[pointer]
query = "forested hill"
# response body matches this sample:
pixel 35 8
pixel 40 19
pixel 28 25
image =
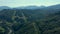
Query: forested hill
pixel 27 21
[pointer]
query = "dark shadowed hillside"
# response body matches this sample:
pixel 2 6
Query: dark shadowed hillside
pixel 27 21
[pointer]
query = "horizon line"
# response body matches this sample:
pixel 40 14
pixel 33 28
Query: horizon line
pixel 32 5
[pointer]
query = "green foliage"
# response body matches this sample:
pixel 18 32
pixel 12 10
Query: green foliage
pixel 29 22
pixel 2 29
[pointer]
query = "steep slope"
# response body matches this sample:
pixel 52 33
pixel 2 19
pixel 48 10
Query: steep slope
pixel 29 22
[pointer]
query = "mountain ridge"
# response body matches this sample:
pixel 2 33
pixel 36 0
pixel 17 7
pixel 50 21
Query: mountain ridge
pixel 32 7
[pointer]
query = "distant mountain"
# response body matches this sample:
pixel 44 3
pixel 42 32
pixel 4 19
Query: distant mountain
pixel 30 7
pixel 53 8
pixel 4 7
pixel 49 9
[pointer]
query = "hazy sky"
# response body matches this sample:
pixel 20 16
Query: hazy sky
pixel 16 3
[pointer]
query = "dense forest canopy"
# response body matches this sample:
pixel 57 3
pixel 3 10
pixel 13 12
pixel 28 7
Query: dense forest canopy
pixel 28 21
